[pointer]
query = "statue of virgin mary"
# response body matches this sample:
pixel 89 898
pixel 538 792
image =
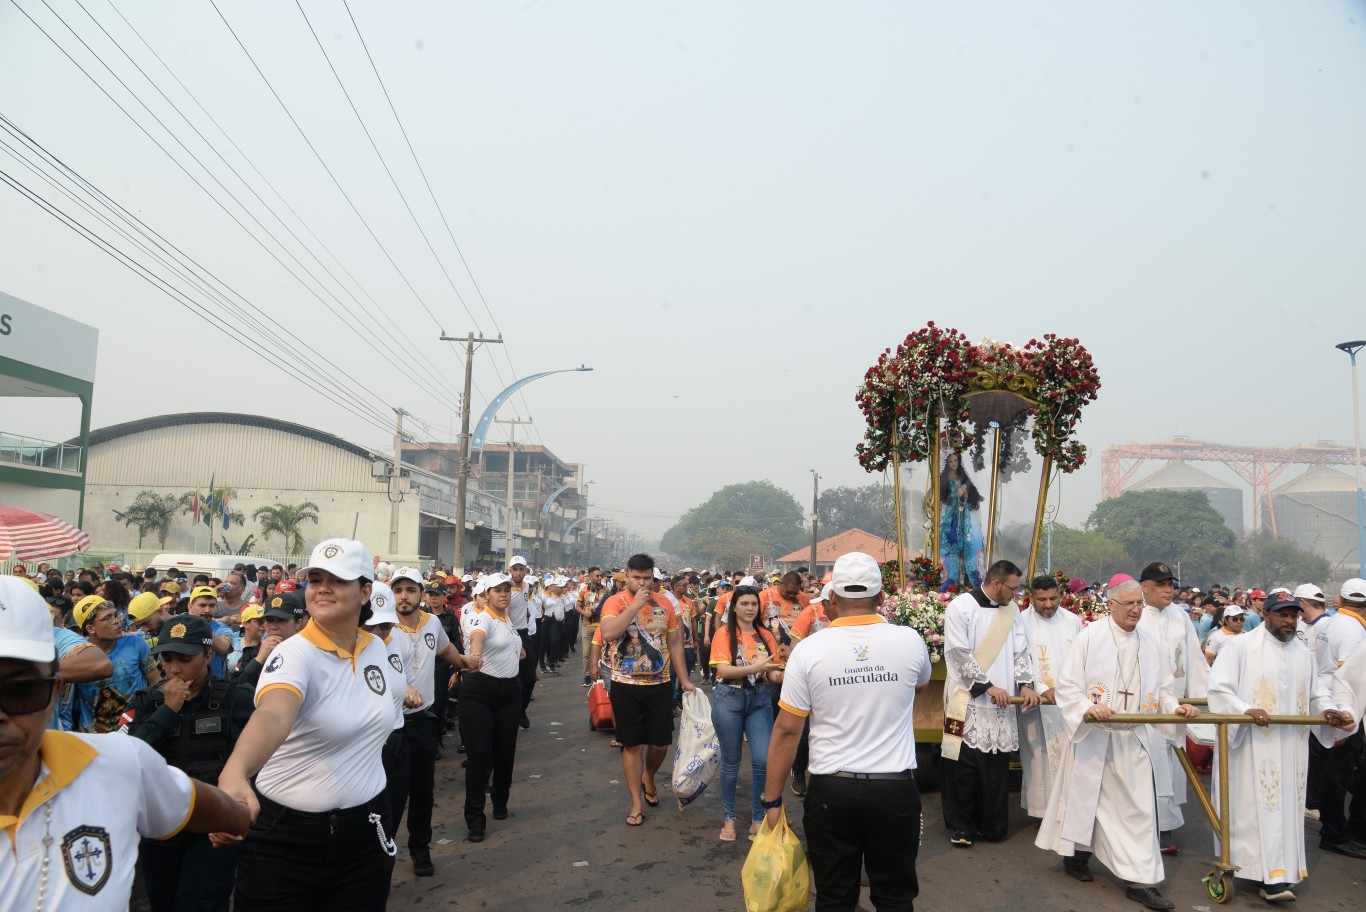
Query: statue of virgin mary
pixel 961 541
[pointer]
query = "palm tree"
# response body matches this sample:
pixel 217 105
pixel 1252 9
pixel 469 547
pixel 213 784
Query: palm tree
pixel 285 521
pixel 151 512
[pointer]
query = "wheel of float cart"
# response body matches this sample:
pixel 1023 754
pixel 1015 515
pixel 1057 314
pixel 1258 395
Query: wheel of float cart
pixel 1219 886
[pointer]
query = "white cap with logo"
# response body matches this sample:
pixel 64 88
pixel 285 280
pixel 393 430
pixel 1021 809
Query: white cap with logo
pixel 343 558
pixel 411 574
pixel 491 581
pixel 381 605
pixel 856 575
pixel 25 623
pixel 825 593
pixel 517 561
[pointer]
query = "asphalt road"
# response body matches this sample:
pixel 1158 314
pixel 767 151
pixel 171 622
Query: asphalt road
pixel 566 844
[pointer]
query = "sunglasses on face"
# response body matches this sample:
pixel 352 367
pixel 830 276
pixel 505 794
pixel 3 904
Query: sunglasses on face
pixel 31 695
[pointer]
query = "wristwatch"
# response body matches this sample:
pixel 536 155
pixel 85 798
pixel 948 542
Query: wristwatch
pixel 770 805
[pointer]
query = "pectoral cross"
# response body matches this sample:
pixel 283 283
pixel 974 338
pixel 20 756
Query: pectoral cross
pixel 1126 695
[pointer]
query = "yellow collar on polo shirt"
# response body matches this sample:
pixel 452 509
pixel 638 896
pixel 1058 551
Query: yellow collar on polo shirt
pixel 421 619
pixel 64 755
pixel 858 620
pixel 314 634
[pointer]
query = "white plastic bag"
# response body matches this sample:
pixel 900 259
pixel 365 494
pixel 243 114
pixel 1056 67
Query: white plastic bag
pixel 697 758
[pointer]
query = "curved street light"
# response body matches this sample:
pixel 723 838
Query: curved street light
pixel 482 428
pixel 1351 348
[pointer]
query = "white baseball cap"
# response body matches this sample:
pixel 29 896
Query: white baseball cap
pixel 749 581
pixel 411 574
pixel 343 558
pixel 1309 591
pixel 856 575
pixel 518 560
pixel 825 593
pixel 491 581
pixel 25 623
pixel 381 605
pixel 1233 611
pixel 659 575
pixel 1354 590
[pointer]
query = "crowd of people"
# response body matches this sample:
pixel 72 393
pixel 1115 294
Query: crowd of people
pixel 272 729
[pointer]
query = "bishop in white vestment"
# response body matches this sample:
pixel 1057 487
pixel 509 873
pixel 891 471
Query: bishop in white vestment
pixel 1181 650
pixel 1111 775
pixel 1263 673
pixel 1050 632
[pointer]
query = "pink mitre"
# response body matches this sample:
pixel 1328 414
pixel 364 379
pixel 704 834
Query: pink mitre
pixel 1117 579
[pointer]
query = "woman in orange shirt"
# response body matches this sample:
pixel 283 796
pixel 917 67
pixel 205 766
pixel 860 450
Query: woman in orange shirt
pixel 743 653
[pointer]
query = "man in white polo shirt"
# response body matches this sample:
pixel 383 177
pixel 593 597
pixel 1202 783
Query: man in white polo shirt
pixel 76 806
pixel 856 683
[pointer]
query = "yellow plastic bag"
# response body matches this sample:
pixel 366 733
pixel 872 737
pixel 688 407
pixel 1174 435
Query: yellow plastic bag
pixel 776 876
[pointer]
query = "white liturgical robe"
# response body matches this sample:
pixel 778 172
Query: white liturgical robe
pixel 1181 651
pixel 1041 730
pixel 1267 766
pixel 1349 689
pixel 1103 796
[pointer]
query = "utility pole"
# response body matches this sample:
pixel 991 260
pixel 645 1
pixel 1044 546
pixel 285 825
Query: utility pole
pixel 463 479
pixel 815 517
pixel 512 477
pixel 396 483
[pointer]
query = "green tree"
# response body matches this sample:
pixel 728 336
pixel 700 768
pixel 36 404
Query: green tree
pixel 286 521
pixel 228 547
pixel 1090 555
pixel 1269 561
pixel 151 512
pixel 760 509
pixel 1179 527
pixel 868 507
pixel 726 547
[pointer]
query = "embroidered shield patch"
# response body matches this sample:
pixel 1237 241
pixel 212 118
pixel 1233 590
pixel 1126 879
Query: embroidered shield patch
pixel 397 663
pixel 85 853
pixel 275 662
pixel 430 640
pixel 374 679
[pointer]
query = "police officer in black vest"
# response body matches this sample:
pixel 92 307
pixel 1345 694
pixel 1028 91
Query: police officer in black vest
pixel 193 721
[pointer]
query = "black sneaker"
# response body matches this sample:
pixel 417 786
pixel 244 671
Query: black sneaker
pixel 961 838
pixel 587 682
pixel 1348 848
pixel 1078 870
pixel 422 862
pixel 500 814
pixel 1149 898
pixel 525 723
pixel 475 836
pixel 1276 892
pixel 799 784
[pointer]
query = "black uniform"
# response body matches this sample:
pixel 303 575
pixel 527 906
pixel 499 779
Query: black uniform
pixel 184 872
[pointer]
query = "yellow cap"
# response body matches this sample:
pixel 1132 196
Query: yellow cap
pixel 86 607
pixel 143 606
pixel 203 592
pixel 252 613
pixel 170 587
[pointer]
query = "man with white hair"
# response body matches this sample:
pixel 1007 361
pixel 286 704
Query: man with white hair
pixel 1111 776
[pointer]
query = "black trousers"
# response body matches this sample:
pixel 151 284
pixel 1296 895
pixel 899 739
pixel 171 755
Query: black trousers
pixel 853 824
pixel 490 709
pixel 292 860
pixel 420 740
pixel 397 770
pixel 1338 771
pixel 975 793
pixel 571 632
pixel 526 668
pixel 186 874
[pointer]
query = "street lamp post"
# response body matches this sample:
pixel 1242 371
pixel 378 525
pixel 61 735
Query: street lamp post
pixel 1351 348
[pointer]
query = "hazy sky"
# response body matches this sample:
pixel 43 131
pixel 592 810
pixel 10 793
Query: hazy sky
pixel 728 210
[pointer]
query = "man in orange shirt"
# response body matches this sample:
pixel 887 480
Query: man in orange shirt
pixel 783 601
pixel 640 631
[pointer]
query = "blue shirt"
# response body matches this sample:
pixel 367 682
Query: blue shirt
pixel 100 703
pixel 218 664
pixel 66 642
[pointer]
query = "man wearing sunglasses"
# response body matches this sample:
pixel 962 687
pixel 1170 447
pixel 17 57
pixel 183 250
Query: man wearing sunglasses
pixel 71 843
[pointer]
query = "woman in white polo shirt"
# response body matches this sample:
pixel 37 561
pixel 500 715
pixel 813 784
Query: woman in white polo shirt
pixel 326 702
pixel 490 704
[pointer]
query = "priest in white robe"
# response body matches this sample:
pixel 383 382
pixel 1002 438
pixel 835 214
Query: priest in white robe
pixel 1112 774
pixel 1050 632
pixel 1265 673
pixel 1181 650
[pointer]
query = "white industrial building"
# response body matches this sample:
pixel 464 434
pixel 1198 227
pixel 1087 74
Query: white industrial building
pixel 266 461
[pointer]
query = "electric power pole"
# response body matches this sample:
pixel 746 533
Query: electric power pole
pixel 463 474
pixel 396 483
pixel 512 478
pixel 815 517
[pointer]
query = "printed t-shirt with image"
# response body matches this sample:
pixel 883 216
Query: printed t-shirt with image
pixel 753 647
pixel 641 654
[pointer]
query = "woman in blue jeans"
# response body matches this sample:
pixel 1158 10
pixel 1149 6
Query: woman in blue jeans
pixel 743 654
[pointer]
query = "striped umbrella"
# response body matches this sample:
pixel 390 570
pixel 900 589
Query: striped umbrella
pixel 29 535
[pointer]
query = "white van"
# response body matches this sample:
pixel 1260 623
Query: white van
pixel 215 565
